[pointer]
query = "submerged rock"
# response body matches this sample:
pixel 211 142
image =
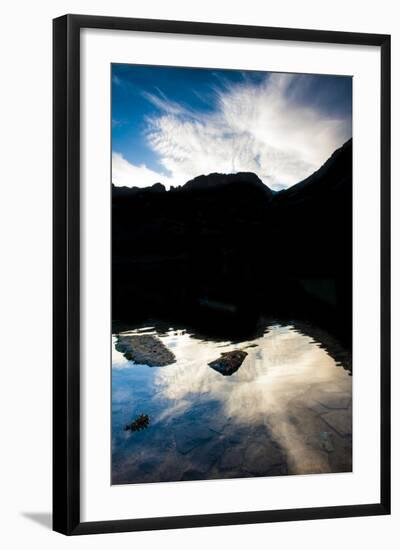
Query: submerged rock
pixel 229 362
pixel 327 442
pixel 261 457
pixel 232 459
pixel 188 437
pixel 145 349
pixel 340 421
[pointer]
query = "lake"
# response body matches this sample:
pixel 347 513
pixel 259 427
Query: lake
pixel 286 410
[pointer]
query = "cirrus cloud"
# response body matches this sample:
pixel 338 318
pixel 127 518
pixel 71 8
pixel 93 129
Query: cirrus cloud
pixel 258 127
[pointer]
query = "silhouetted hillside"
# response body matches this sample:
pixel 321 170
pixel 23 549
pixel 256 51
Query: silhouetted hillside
pixel 223 180
pixel 222 250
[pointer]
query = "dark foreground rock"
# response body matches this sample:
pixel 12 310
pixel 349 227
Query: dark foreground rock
pixel 229 362
pixel 145 350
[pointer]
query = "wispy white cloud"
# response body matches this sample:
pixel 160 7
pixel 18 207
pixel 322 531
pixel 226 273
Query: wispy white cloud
pixel 126 173
pixel 255 127
pixel 116 123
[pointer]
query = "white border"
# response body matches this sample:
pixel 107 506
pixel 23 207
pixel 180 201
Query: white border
pixel 99 500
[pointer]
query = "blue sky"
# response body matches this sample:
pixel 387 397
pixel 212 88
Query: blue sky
pixel 170 124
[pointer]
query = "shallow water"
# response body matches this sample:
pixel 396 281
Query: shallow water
pixel 286 410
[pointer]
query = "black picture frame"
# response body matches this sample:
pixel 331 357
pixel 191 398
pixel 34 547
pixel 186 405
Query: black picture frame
pixel 66 273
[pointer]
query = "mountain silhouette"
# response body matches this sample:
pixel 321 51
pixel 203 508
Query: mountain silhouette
pixel 224 180
pixel 223 250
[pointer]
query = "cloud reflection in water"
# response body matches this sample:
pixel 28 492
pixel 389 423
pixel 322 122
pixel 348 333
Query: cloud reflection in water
pixel 287 385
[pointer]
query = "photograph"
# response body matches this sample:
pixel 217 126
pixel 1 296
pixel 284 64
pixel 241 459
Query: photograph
pixel 232 273
pixel 198 253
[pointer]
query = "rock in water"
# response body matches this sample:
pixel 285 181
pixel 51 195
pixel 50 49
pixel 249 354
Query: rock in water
pixel 139 424
pixel 145 349
pixel 229 362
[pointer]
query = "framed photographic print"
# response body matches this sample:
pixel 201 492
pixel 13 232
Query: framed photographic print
pixel 221 274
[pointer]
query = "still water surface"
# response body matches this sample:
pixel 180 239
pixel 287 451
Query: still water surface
pixel 286 410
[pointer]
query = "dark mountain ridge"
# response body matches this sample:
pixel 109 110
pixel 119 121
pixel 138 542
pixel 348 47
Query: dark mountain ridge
pixel 217 180
pixel 330 174
pixel 223 250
